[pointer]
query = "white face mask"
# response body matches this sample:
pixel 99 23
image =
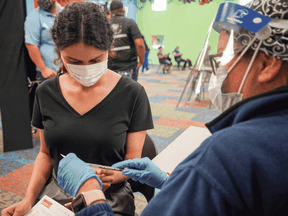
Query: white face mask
pixel 87 75
pixel 221 100
pixel 225 100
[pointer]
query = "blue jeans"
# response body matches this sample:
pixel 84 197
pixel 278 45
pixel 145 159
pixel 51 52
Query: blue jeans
pixel 146 63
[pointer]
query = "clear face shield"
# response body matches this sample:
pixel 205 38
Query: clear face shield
pixel 234 30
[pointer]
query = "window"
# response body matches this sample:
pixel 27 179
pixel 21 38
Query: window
pixel 243 2
pixel 159 5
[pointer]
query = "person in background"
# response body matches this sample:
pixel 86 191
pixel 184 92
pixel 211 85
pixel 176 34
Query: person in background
pixel 241 169
pixel 164 59
pixel 146 63
pixel 177 56
pixel 38 40
pixel 87 109
pixel 128 43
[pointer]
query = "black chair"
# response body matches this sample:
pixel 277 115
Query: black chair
pixel 178 66
pixel 150 151
pixel 162 65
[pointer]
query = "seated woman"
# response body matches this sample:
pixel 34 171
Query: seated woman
pixel 87 109
pixel 164 59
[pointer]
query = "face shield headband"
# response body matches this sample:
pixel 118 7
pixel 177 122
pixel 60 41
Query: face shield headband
pixel 276 44
pixel 235 19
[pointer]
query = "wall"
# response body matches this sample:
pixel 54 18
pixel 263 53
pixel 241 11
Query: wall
pixel 183 25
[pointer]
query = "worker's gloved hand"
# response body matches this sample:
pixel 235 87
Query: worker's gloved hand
pixel 144 171
pixel 73 172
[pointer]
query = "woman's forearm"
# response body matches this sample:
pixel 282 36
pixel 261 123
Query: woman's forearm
pixel 41 172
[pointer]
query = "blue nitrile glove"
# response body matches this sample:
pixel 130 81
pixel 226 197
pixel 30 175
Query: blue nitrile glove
pixel 144 171
pixel 73 172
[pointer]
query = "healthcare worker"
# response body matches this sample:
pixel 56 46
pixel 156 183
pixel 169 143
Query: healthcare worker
pixel 38 40
pixel 242 168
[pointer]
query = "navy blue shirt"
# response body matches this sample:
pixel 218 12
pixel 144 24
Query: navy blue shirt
pixel 242 169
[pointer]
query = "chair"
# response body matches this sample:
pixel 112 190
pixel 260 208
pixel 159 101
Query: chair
pixel 150 151
pixel 178 65
pixel 32 85
pixel 162 65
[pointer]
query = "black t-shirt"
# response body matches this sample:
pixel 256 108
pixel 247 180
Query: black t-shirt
pixel 125 32
pixel 98 136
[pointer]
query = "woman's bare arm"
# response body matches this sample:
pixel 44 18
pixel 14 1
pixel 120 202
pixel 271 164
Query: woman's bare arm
pixel 41 171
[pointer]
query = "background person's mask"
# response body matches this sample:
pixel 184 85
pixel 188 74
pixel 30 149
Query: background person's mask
pixel 45 5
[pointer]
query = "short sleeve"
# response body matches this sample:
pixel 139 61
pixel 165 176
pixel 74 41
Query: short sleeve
pixel 37 115
pixel 32 28
pixel 141 118
pixel 134 30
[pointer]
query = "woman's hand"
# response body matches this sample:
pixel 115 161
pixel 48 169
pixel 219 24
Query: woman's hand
pixel 18 209
pixel 106 176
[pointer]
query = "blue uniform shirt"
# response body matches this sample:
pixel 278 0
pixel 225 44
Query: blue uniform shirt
pixel 37 26
pixel 176 51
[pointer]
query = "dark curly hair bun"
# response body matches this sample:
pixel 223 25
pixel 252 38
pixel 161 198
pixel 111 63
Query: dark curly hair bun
pixel 83 22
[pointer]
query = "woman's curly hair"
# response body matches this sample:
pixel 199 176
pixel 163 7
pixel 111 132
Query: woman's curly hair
pixel 83 22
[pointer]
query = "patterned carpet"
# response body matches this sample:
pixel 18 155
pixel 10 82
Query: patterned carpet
pixel 163 91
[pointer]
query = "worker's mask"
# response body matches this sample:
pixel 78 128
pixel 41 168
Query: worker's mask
pixel 46 5
pixel 234 30
pixel 87 75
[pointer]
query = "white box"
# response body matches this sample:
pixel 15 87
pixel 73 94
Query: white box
pixel 181 148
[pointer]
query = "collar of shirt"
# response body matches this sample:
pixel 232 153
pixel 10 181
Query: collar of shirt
pixel 253 107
